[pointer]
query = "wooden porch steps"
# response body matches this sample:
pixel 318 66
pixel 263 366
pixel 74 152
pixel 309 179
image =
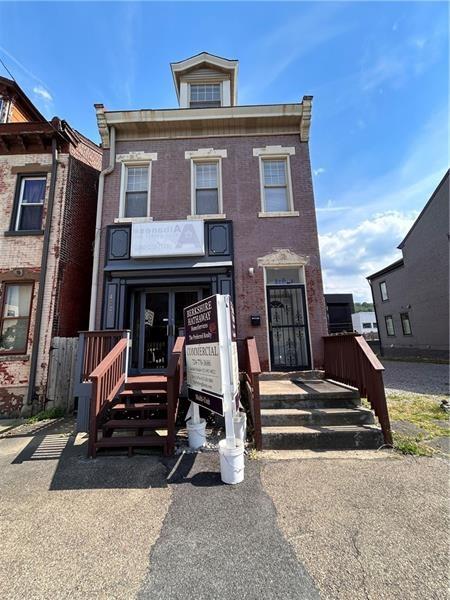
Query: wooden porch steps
pixel 146 382
pixel 138 406
pixel 141 395
pixel 132 424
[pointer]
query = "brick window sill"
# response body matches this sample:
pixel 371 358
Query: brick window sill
pixel 22 233
pixel 14 357
pixel 205 217
pixel 126 220
pixel 288 213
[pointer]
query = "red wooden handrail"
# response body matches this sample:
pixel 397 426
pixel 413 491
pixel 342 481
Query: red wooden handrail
pixel 349 359
pixel 175 379
pixel 96 345
pixel 249 364
pixel 107 379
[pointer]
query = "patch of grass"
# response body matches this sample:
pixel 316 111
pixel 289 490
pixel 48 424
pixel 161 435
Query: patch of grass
pixel 421 410
pixel 50 413
pixel 408 444
pixel 253 454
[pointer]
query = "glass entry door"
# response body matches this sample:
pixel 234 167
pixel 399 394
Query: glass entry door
pixel 288 328
pixel 156 330
pixel 157 320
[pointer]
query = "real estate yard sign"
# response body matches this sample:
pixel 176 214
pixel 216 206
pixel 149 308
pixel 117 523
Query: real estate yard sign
pixel 211 357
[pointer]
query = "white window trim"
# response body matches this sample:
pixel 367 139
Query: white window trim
pixel 276 153
pixel 211 82
pixel 123 187
pixel 206 155
pixel 20 203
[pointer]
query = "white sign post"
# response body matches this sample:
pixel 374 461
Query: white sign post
pixel 212 367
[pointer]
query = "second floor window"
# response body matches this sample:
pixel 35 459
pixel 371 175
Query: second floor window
pixel 383 291
pixel 205 95
pixel 136 192
pixel 275 182
pixel 30 204
pixel 206 188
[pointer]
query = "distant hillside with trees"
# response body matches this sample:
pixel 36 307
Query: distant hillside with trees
pixel 363 307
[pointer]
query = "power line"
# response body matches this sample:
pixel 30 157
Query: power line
pixel 8 71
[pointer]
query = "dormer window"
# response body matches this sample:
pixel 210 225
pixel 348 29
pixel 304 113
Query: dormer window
pixel 206 81
pixel 205 95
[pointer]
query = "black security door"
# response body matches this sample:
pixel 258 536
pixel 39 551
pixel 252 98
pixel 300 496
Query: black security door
pixel 288 328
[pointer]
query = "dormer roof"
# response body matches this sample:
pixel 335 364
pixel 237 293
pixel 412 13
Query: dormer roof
pixel 223 66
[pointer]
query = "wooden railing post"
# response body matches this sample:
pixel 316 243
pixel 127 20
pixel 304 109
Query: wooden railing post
pixel 349 359
pixel 175 376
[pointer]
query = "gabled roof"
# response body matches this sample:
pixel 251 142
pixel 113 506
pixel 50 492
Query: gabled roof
pixel 206 59
pixel 15 90
pixel 395 265
pixel 425 208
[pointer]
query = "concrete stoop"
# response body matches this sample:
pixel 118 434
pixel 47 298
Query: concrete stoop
pixel 316 415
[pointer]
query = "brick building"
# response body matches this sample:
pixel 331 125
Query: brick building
pixel 48 193
pixel 211 197
pixel 411 296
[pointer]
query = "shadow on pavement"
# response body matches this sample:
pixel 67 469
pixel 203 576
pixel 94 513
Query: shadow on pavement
pixel 181 467
pixel 74 471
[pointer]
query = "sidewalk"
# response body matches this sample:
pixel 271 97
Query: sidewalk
pixel 333 526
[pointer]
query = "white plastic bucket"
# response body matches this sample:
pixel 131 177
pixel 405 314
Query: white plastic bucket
pixel 231 462
pixel 240 426
pixel 196 434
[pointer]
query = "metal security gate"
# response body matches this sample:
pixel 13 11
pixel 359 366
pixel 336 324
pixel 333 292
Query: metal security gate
pixel 288 328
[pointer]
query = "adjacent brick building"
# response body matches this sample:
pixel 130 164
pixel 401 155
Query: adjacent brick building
pixel 48 196
pixel 211 197
pixel 411 296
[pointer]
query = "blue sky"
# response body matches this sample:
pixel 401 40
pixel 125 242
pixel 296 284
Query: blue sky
pixel 378 73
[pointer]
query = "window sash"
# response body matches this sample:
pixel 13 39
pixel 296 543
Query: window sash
pixel 206 187
pixel 406 324
pixel 383 291
pixel 275 185
pixel 35 207
pixel 204 94
pixel 21 320
pixel 390 329
pixel 135 191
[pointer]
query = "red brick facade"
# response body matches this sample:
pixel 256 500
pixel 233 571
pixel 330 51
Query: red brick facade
pixel 69 267
pixel 254 237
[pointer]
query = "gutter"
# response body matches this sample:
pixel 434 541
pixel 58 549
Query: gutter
pixel 98 226
pixel 376 317
pixel 40 300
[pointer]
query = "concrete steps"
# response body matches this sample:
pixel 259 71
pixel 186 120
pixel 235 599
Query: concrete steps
pixel 286 417
pixel 342 437
pixel 316 415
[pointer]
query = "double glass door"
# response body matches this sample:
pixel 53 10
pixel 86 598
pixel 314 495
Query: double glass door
pixel 157 320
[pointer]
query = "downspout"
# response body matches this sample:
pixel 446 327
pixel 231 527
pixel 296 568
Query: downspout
pixel 98 226
pixel 376 317
pixel 42 276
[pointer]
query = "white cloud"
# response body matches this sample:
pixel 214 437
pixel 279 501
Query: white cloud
pixel 318 171
pixel 350 254
pixel 43 93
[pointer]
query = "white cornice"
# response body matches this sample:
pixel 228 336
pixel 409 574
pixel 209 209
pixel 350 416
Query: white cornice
pixel 203 114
